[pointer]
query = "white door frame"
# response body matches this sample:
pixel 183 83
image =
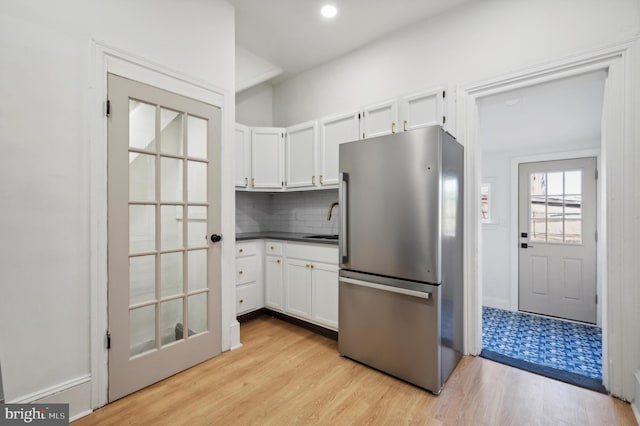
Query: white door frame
pixel 111 60
pixel 618 230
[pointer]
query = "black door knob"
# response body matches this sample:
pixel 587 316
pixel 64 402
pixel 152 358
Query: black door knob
pixel 215 238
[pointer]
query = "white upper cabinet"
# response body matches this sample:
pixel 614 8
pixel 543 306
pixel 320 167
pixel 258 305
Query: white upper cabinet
pixel 301 153
pixel 380 119
pixel 422 109
pixel 243 156
pixel 334 131
pixel 267 157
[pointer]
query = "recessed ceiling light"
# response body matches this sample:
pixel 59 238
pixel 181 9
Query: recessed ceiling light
pixel 329 11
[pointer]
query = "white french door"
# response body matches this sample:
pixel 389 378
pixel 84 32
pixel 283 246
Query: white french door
pixel 163 222
pixel 557 220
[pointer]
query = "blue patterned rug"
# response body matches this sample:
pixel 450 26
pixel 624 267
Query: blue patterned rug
pixel 566 351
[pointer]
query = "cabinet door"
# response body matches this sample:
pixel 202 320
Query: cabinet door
pixel 380 119
pixel 267 157
pixel 246 298
pixel 334 131
pixel 243 156
pixel 422 109
pixel 300 161
pixel 324 282
pixel 273 282
pixel 298 288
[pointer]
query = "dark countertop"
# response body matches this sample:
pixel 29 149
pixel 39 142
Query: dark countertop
pixel 287 236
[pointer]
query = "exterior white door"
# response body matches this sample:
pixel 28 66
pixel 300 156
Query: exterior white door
pixel 301 149
pixel 163 224
pixel 557 221
pixel 334 131
pixel 267 157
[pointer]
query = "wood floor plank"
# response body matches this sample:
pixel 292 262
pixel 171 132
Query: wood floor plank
pixel 285 375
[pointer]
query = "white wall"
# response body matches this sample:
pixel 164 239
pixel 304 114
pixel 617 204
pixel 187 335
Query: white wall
pixel 254 106
pixel 474 42
pixel 496 244
pixel 45 123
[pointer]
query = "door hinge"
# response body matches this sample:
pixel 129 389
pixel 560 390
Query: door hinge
pixel 108 340
pixel 596 299
pixel 596 174
pixel 444 119
pixel 596 236
pixel 444 94
pixel 108 108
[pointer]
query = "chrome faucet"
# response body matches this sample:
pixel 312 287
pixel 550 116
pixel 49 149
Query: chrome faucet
pixel 331 210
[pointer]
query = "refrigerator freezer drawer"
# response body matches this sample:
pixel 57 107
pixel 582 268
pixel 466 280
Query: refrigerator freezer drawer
pixel 392 330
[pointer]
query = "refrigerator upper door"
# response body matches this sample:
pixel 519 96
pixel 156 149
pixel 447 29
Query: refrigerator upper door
pixel 390 196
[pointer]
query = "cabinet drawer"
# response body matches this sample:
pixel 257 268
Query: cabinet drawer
pixel 273 247
pixel 246 298
pixel 246 269
pixel 313 252
pixel 246 249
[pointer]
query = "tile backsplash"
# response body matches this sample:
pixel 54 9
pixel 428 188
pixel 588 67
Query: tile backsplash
pixel 304 212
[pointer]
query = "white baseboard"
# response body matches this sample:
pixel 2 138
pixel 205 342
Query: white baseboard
pixel 75 392
pixel 494 302
pixel 235 335
pixel 635 404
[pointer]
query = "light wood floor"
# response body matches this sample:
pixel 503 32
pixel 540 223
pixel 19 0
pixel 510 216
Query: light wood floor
pixel 285 375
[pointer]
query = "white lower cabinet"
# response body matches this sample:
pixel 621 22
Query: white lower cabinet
pixel 246 298
pixel 298 279
pixel 312 283
pixel 298 288
pixel 273 282
pixel 324 294
pixel 248 277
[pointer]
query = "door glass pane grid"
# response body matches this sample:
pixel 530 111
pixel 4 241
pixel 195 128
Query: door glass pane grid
pixel 555 215
pixel 175 187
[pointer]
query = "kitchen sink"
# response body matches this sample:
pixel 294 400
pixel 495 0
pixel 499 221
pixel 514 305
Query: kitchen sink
pixel 323 237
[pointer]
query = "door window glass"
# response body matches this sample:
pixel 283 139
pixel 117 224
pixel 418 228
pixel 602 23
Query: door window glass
pixel 555 207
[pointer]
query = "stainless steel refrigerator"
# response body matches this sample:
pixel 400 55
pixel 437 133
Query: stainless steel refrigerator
pixel 400 296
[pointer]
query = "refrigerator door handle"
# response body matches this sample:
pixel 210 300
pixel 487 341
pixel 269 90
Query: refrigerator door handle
pixel 343 189
pixel 407 292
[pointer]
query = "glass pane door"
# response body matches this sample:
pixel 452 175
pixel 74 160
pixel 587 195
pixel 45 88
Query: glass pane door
pixel 164 201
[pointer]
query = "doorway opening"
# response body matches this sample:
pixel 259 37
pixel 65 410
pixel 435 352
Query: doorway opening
pixel 538 145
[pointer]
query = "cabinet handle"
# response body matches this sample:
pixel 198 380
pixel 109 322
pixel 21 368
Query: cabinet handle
pixel 278 261
pixel 241 250
pixel 271 247
pixel 404 126
pixel 306 266
pixel 393 127
pixel 240 272
pixel 321 183
pixel 253 182
pixel 241 300
pixel 311 266
pixel 246 182
pixel 313 180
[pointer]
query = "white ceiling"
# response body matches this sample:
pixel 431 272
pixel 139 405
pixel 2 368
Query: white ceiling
pixel 560 113
pixel 292 35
